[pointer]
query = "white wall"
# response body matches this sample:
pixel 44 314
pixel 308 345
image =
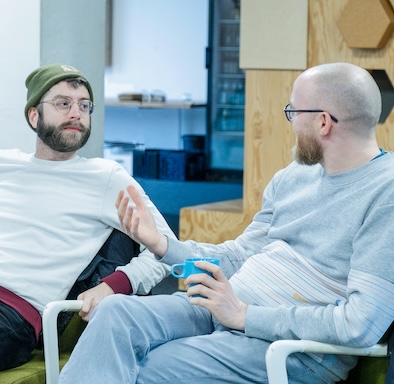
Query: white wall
pixel 73 32
pixel 20 54
pixel 159 44
pixel 38 32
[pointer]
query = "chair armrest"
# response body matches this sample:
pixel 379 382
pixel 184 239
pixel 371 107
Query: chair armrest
pixel 278 352
pixel 50 335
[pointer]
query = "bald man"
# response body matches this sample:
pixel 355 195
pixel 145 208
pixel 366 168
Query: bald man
pixel 315 263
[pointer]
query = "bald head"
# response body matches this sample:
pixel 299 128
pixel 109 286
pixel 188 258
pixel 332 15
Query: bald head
pixel 346 91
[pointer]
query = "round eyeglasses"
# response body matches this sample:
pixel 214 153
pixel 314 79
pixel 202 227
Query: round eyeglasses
pixel 292 113
pixel 64 104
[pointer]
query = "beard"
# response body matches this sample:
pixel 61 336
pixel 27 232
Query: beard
pixel 307 151
pixel 56 138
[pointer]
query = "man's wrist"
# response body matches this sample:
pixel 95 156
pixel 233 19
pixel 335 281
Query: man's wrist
pixel 161 247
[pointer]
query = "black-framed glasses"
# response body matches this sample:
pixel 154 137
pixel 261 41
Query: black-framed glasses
pixel 64 104
pixel 292 113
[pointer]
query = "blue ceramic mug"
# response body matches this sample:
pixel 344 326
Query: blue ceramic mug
pixel 187 268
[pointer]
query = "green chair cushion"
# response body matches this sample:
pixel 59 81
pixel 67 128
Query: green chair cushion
pixel 373 370
pixel 33 372
pixel 369 370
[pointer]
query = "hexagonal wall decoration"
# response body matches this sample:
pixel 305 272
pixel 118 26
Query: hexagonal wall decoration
pixel 367 23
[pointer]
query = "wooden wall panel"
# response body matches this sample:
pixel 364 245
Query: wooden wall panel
pixel 325 42
pixel 213 223
pixel 269 136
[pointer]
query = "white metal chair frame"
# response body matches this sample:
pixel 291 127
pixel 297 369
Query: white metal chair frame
pixel 50 335
pixel 278 352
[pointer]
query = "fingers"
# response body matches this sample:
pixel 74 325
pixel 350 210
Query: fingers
pixel 200 279
pixel 119 198
pixel 84 313
pixel 125 212
pixel 87 305
pixel 121 204
pixel 213 268
pixel 205 284
pixel 92 297
pixel 127 220
pixel 200 293
pixel 136 197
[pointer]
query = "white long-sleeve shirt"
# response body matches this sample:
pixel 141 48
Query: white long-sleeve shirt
pixel 55 216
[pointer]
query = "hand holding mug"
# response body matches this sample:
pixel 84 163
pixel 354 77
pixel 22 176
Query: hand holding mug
pixel 227 308
pixel 188 268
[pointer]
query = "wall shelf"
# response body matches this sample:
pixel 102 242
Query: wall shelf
pixel 171 104
pixel 178 108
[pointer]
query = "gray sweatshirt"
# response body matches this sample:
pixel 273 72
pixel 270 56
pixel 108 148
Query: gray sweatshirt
pixel 316 261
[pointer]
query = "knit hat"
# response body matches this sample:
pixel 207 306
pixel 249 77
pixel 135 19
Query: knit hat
pixel 44 78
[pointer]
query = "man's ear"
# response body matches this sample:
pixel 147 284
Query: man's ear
pixel 32 113
pixel 325 124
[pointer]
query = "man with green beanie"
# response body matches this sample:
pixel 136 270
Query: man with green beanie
pixel 57 210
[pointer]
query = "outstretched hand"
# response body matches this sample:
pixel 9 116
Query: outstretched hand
pixel 139 223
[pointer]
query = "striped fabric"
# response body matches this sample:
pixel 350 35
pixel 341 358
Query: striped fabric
pixel 280 276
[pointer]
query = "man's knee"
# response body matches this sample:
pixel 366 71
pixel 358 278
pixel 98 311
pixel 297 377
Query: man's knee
pixel 112 307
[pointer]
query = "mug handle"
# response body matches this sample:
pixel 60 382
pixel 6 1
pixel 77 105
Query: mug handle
pixel 173 273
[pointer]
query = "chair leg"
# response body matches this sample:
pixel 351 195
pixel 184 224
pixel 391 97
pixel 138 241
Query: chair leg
pixel 51 343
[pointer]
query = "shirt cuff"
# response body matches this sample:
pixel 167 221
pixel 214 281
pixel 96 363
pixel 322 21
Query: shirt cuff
pixel 119 282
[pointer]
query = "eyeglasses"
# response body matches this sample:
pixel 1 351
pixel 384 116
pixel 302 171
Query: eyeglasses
pixel 64 104
pixel 292 113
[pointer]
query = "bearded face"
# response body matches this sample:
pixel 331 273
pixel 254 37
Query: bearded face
pixel 59 139
pixel 307 151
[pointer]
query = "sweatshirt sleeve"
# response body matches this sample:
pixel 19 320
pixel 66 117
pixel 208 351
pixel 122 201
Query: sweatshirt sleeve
pixel 232 253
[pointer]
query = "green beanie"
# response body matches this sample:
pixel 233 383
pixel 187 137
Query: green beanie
pixel 44 78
